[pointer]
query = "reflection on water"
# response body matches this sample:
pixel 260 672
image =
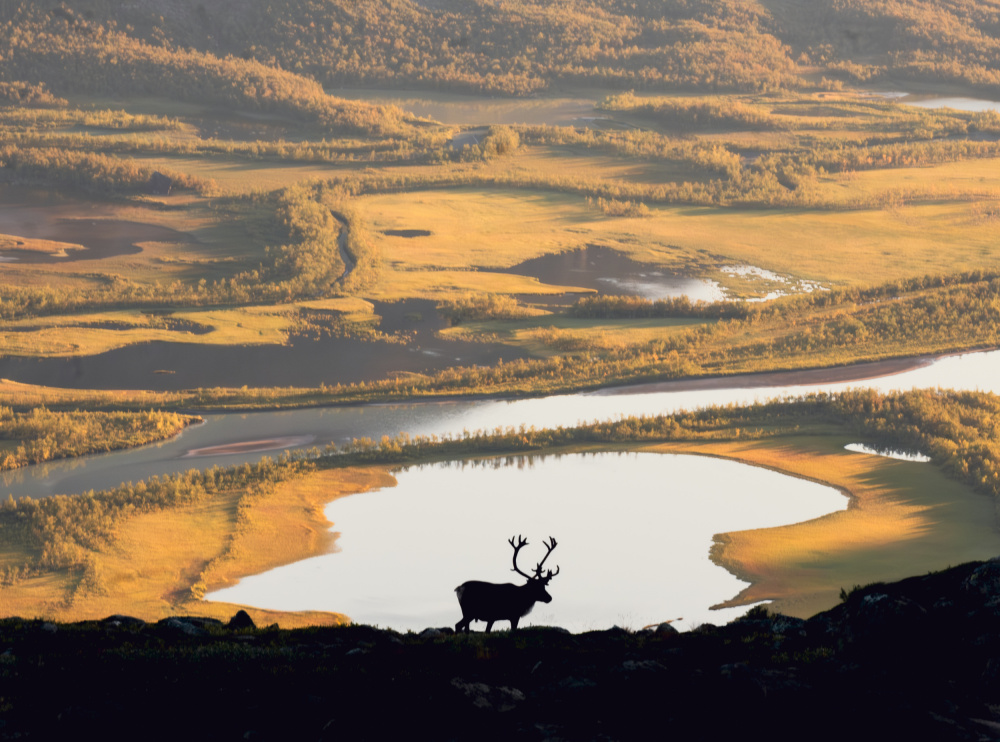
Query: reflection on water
pixel 959 104
pixel 634 532
pixel 901 455
pixel 971 371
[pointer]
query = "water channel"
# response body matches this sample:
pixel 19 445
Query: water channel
pixel 320 426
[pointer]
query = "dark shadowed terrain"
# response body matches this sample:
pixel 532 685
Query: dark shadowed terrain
pixel 917 659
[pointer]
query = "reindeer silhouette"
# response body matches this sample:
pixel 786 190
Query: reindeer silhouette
pixel 491 602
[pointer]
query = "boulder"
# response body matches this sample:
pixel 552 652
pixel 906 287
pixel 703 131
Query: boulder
pixel 240 621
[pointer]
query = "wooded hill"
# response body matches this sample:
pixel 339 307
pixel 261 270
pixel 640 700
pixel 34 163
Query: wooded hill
pixel 271 55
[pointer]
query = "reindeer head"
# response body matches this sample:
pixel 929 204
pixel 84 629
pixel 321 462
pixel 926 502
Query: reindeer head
pixel 536 582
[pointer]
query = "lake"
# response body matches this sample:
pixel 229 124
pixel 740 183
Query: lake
pixel 634 532
pixel 610 273
pixel 476 110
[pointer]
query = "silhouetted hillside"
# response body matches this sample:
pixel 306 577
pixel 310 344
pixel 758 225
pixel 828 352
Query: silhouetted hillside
pixel 917 659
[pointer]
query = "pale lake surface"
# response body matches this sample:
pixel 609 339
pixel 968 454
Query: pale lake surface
pixel 608 272
pixel 901 455
pixel 958 103
pixel 634 532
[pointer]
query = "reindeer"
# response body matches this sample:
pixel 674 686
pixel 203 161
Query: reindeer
pixel 490 602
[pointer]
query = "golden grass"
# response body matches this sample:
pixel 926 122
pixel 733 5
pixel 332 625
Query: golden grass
pixel 485 229
pixel 476 228
pixel 157 562
pixel 348 305
pixel 904 518
pixel 845 248
pixel 981 176
pixel 47 247
pixel 555 333
pixel 81 334
pixel 70 335
pixel 235 177
pixel 444 284
pixel 21 395
pixel 569 161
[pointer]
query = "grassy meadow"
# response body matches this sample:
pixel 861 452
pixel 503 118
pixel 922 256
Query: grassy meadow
pixel 157 564
pixel 755 193
pixel 904 518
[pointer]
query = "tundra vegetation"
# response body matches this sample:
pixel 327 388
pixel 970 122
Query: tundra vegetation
pixel 721 134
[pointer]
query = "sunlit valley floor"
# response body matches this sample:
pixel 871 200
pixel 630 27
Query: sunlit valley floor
pixel 306 309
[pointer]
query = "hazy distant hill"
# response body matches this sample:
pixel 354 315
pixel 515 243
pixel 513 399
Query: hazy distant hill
pixel 505 47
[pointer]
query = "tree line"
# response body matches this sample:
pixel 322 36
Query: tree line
pixel 960 431
pixel 42 434
pixel 68 52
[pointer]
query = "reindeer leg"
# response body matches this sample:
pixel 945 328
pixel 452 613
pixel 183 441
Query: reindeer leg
pixel 462 625
pixel 514 622
pixel 489 626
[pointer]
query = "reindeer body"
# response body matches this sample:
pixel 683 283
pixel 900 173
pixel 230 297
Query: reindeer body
pixel 492 602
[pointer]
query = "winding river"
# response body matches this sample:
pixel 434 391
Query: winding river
pixel 228 439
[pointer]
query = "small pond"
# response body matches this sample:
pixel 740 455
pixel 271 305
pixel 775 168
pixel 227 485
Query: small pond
pixel 610 272
pixel 634 531
pixel 891 454
pixel 958 103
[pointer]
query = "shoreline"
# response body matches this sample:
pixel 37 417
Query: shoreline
pixel 792 377
pixel 861 371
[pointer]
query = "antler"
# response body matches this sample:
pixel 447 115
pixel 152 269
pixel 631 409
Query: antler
pixel 538 568
pixel 521 542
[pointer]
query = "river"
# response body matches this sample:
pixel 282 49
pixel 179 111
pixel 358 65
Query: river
pixel 320 426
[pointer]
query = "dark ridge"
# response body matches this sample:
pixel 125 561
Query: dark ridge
pixel 917 659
